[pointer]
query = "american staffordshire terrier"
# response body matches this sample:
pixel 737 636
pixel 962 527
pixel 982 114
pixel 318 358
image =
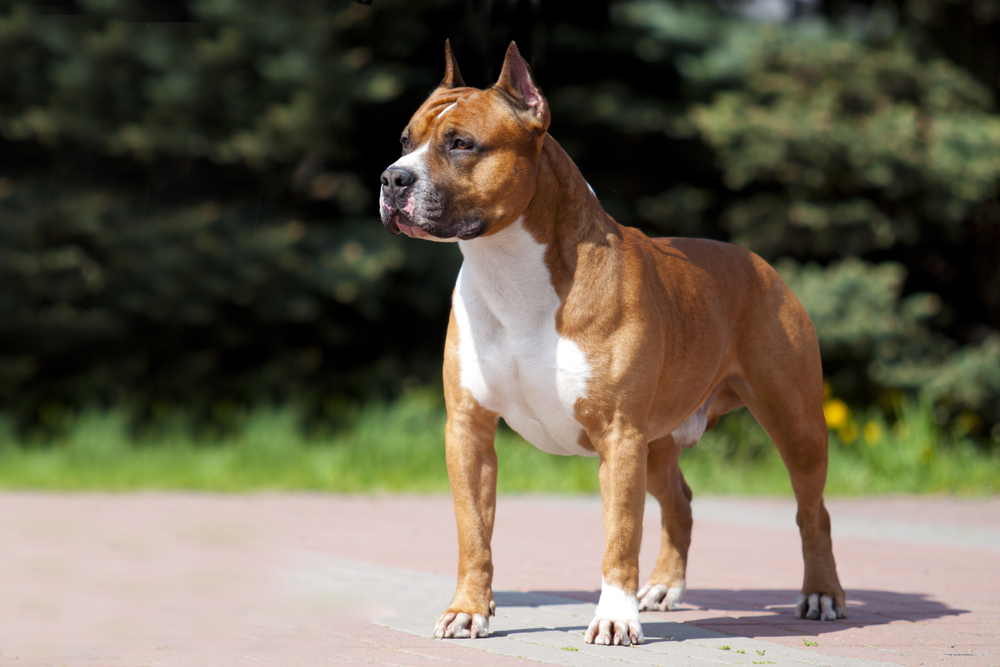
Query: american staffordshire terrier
pixel 590 338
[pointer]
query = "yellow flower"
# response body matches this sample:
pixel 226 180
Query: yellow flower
pixel 848 432
pixel 872 432
pixel 836 412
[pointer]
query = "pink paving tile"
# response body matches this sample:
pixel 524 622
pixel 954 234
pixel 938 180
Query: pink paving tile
pixel 752 631
pixel 383 655
pixel 394 646
pixel 405 640
pixel 941 509
pixel 879 654
pixel 446 651
pixel 937 635
pixel 405 660
pixel 930 655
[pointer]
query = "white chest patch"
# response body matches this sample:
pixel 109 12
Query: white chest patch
pixel 513 360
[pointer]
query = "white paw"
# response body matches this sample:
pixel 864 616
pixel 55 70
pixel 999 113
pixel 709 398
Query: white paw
pixel 818 607
pixel 462 626
pixel 616 619
pixel 660 597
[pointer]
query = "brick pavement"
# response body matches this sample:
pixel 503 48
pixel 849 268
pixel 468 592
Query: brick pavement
pixel 198 579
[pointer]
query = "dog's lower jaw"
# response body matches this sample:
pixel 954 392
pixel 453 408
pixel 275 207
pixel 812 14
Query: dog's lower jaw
pixel 396 222
pixel 465 229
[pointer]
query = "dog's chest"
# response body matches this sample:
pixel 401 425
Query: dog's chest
pixel 511 356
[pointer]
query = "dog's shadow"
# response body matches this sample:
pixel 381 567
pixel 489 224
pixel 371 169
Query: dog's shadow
pixel 750 613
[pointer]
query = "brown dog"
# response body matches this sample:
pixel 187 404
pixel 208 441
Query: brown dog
pixel 590 338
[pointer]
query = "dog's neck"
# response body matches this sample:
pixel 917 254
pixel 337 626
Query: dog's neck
pixel 564 221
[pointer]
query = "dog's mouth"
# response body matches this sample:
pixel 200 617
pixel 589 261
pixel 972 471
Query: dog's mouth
pixel 400 221
pixel 397 222
pixel 405 225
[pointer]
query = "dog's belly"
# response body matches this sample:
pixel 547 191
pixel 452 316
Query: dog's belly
pixel 532 378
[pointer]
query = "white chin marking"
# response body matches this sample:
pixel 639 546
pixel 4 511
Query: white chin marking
pixel 616 619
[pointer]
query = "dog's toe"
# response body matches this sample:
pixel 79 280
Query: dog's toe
pixel 660 597
pixel 460 625
pixel 819 607
pixel 608 632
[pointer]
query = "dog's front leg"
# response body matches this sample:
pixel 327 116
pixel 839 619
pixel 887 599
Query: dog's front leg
pixel 623 490
pixel 472 470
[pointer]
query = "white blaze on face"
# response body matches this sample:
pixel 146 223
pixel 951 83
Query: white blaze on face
pixel 415 160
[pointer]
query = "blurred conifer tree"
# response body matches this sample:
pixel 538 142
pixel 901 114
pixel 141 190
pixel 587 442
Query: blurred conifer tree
pixel 188 189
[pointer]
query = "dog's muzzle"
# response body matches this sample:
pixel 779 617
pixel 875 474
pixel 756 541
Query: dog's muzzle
pixel 398 205
pixel 394 199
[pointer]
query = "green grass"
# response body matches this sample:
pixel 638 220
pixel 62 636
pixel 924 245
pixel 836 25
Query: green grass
pixel 400 447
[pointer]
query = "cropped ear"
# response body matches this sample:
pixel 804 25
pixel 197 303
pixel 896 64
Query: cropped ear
pixel 517 83
pixel 452 77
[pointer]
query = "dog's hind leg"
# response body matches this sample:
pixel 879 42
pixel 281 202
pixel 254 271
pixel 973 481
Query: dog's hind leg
pixel 784 391
pixel 665 482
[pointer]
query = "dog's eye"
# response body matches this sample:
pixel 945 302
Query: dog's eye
pixel 405 141
pixel 461 145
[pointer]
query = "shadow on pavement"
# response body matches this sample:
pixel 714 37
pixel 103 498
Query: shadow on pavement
pixel 655 633
pixel 764 613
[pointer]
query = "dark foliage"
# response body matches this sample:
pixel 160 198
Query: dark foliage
pixel 188 189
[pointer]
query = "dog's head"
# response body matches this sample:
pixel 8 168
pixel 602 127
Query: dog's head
pixel 470 156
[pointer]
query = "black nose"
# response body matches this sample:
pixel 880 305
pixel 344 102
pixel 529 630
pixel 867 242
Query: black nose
pixel 397 178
